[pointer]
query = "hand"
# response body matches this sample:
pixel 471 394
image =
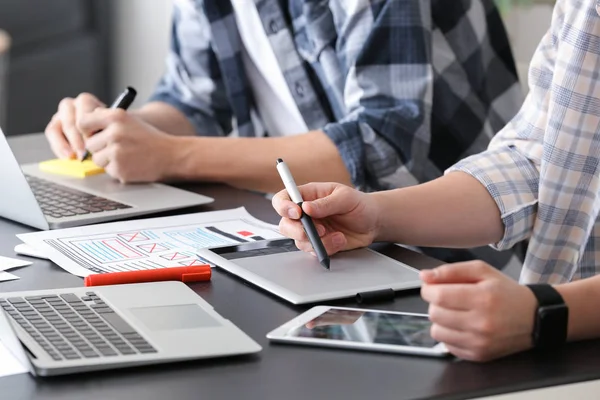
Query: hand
pixel 129 149
pixel 478 312
pixel 62 132
pixel 345 218
pixel 335 317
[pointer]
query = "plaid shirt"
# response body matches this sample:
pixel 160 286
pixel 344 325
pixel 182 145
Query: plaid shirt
pixel 543 169
pixel 404 88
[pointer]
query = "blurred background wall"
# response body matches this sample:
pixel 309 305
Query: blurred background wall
pixel 63 47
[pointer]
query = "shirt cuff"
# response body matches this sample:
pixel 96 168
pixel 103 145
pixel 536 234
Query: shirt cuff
pixel 512 180
pixel 203 126
pixel 348 140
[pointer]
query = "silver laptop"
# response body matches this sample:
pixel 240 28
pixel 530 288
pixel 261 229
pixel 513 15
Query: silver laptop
pixel 48 201
pixel 64 331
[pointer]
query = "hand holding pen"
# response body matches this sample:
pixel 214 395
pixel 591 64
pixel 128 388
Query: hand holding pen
pixel 345 218
pixel 63 132
pixel 124 100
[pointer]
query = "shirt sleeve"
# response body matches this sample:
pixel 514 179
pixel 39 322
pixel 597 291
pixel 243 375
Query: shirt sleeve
pixel 387 92
pixel 550 153
pixel 192 81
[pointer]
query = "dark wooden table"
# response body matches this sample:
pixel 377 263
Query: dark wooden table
pixel 283 371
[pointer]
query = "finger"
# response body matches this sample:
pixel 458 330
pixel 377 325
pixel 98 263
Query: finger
pixel 452 319
pixel 333 243
pixel 451 337
pixel 464 272
pixel 100 119
pixel 58 142
pixel 66 114
pixel 98 142
pixel 459 352
pixel 294 230
pixel 459 297
pixel 340 201
pixel 85 103
pixel 101 158
pixel 284 206
pixel 317 190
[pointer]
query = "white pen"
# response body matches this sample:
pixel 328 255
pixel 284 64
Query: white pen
pixel 307 222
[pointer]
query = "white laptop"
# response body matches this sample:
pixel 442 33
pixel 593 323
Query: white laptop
pixel 48 201
pixel 65 331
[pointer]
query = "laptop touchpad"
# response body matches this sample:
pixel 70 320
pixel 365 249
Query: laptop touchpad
pixel 165 318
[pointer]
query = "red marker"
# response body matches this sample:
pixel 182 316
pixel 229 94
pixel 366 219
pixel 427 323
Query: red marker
pixel 183 274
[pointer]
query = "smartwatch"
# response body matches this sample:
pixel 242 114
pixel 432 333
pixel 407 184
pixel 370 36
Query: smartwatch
pixel 551 319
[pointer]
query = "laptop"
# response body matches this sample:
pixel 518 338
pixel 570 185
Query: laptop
pixel 49 201
pixel 65 331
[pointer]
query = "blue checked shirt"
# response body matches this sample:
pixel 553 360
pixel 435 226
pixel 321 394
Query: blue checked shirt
pixel 543 169
pixel 404 88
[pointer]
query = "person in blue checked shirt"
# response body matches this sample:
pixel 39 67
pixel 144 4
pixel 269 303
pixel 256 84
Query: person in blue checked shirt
pixel 538 180
pixel 376 94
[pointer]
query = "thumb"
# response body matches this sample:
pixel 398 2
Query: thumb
pixel 464 272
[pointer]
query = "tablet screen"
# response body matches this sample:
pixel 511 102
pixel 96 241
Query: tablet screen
pixel 368 327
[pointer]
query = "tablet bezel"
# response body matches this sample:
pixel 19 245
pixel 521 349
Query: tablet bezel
pixel 279 335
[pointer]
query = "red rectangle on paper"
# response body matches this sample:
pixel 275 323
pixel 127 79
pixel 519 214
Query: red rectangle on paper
pixel 245 233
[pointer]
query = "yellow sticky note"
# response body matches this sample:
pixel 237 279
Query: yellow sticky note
pixel 74 168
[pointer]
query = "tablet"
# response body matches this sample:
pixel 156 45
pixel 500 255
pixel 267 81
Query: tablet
pixel 360 329
pixel 280 268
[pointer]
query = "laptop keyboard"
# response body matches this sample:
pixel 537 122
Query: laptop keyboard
pixel 59 201
pixel 69 327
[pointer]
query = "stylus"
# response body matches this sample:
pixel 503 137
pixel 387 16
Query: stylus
pixel 123 101
pixel 307 222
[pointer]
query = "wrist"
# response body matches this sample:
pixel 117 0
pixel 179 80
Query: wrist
pixel 176 153
pixel 384 231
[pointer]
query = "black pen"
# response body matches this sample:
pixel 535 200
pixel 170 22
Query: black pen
pixel 123 101
pixel 307 222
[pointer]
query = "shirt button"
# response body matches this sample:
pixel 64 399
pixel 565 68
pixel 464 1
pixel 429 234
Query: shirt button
pixel 273 26
pixel 299 89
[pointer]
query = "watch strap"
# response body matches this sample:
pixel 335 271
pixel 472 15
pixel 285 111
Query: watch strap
pixel 546 295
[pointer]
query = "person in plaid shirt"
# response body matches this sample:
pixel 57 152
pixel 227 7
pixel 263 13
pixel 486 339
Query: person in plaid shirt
pixel 538 180
pixel 377 94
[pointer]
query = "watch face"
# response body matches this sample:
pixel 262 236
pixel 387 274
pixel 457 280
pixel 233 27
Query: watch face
pixel 551 326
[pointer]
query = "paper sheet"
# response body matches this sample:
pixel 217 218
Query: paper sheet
pixel 9 365
pixel 8 263
pixel 5 276
pixel 148 243
pixel 25 250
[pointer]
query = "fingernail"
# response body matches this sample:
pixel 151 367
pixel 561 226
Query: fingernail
pixel 338 240
pixel 321 230
pixel 67 153
pixel 292 212
pixel 428 274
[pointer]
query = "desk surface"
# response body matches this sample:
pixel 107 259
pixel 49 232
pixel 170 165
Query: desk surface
pixel 283 371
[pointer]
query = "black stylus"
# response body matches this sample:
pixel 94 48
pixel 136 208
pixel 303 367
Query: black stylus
pixel 123 101
pixel 307 222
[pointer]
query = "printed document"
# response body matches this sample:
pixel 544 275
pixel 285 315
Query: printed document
pixel 147 243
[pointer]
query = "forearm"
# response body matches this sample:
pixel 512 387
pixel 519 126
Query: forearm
pixel 582 298
pixel 166 118
pixel 249 163
pixel 452 211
